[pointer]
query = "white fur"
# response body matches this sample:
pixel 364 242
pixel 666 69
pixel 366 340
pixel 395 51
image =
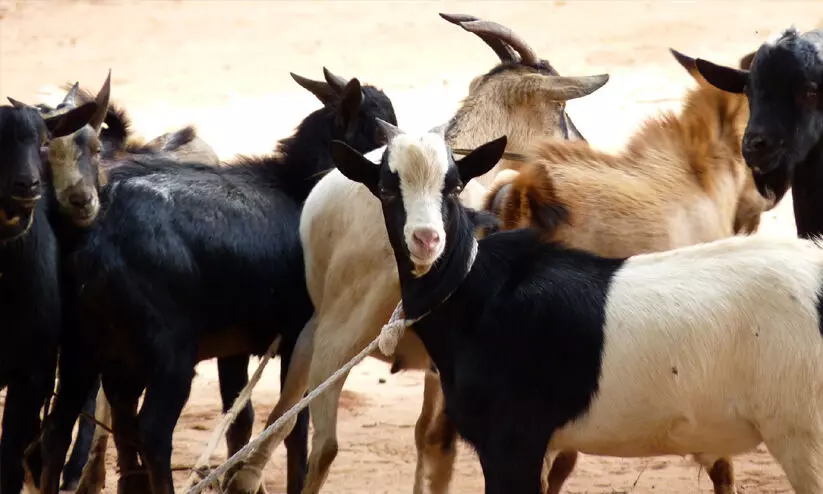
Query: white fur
pixel 712 348
pixel 421 162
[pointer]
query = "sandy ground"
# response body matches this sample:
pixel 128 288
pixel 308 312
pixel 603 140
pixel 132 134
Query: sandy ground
pixel 224 65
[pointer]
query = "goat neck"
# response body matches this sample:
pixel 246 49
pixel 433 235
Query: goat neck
pixel 806 196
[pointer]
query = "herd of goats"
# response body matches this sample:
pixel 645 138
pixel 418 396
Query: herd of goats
pixel 561 299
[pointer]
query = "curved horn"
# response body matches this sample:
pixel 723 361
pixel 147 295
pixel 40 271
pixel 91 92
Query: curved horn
pixel 71 97
pixel 335 81
pixel 503 51
pixel 102 101
pixel 527 54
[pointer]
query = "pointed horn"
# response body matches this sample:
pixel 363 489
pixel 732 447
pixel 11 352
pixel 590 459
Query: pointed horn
pixel 102 101
pixel 71 97
pixel 321 90
pixel 527 54
pixel 504 52
pixel 390 130
pixel 335 81
pixel 18 104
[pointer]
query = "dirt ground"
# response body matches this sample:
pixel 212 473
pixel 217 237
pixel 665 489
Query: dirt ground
pixel 224 65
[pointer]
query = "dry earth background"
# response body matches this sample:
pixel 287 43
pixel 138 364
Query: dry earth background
pixel 224 65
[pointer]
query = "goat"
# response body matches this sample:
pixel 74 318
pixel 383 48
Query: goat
pixel 680 180
pixel 191 262
pixel 28 277
pixel 664 353
pixel 783 142
pixel 348 258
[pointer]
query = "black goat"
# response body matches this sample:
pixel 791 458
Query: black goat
pixel 783 142
pixel 29 278
pixel 189 262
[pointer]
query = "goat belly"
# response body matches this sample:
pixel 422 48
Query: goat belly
pixel 704 349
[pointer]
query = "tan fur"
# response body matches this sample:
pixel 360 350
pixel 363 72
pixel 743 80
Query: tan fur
pixel 352 276
pixel 680 180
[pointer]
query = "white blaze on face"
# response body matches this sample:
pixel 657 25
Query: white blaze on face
pixel 421 163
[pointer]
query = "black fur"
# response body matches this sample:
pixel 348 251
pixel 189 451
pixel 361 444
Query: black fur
pixel 783 142
pixel 29 283
pixel 182 253
pixel 518 344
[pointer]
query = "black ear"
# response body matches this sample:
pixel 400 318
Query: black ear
pixel 686 61
pixel 321 90
pixel 355 166
pixel 724 78
pixel 350 101
pixel 71 121
pixel 481 159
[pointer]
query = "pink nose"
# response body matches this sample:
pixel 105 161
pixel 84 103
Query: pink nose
pixel 426 238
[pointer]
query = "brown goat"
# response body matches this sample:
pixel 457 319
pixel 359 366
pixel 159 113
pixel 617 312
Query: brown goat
pixel 681 180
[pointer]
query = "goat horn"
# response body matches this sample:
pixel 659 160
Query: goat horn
pixel 335 81
pixel 527 54
pixel 71 97
pixel 390 130
pixel 321 90
pixel 503 51
pixel 18 104
pixel 102 100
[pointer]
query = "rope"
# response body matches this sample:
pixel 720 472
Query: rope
pixel 506 155
pixel 244 452
pixel 201 466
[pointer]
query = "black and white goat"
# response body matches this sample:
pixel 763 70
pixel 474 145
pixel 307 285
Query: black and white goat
pixel 189 262
pixel 29 279
pixel 714 347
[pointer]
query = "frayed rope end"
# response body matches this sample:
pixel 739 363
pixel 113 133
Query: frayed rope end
pixel 393 331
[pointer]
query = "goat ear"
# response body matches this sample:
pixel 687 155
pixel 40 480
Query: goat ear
pixel 355 166
pixel 746 61
pixel 723 78
pixel 102 100
pixel 482 159
pixel 19 104
pixel 547 216
pixel 71 97
pixel 71 121
pixel 689 64
pixel 350 100
pixel 336 82
pixel 567 88
pixel 483 219
pixel 321 90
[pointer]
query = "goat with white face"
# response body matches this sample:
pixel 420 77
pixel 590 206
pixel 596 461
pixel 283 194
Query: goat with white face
pixel 601 355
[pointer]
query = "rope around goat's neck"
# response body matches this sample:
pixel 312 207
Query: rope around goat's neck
pixel 393 331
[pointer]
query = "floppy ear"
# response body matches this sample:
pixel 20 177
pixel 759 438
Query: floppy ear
pixel 355 166
pixel 723 78
pixel 321 90
pixel 481 159
pixel 70 121
pixel 561 88
pixel 350 101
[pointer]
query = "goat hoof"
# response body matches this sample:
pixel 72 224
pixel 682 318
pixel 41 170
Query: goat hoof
pixel 246 480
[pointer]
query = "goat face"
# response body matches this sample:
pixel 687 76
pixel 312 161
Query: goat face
pixel 74 160
pixel 24 137
pixel 783 87
pixel 418 183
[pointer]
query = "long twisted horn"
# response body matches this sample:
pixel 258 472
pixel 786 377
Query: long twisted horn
pixel 503 51
pixel 527 54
